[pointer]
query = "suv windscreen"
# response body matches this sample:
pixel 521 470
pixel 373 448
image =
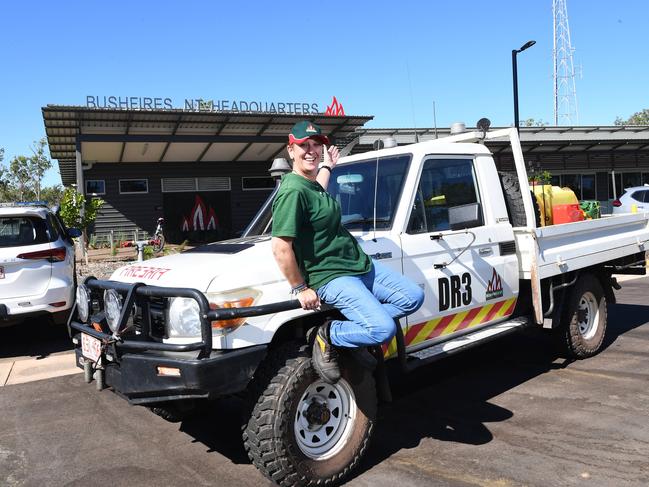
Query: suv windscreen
pixel 17 231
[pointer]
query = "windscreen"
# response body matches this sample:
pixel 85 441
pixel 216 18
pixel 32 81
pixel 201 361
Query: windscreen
pixel 356 186
pixel 18 231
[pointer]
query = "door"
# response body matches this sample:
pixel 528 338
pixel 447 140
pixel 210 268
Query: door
pixel 470 276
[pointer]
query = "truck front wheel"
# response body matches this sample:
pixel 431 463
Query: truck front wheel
pixel 583 324
pixel 303 431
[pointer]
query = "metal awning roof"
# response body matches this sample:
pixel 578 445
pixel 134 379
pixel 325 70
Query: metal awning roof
pixel 533 139
pixel 144 136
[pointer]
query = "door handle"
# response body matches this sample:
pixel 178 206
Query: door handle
pixel 485 251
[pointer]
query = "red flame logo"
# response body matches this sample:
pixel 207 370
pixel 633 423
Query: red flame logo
pixel 335 109
pixel 495 284
pixel 198 214
pixel 212 220
pixel 200 218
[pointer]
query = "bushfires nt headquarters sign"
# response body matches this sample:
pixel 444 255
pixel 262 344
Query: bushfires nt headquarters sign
pixel 335 109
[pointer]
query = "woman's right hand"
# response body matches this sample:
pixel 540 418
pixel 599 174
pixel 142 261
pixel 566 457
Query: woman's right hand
pixel 309 299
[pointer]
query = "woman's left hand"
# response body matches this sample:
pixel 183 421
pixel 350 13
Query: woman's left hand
pixel 309 299
pixel 331 155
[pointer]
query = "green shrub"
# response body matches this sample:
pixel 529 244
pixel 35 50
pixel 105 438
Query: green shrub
pixel 148 252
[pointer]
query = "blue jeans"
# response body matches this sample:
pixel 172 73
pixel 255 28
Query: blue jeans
pixel 370 302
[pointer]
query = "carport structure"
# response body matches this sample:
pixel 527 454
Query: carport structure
pixel 136 160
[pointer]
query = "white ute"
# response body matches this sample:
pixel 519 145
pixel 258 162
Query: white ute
pixel 216 320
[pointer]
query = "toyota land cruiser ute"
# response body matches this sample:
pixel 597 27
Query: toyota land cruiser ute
pixel 217 320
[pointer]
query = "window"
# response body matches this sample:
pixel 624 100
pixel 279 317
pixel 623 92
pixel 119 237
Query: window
pixel 444 183
pixel 625 180
pixel 572 181
pixel 361 187
pixel 53 228
pixel 583 185
pixel 640 196
pixel 127 186
pixel 190 185
pixel 588 187
pixel 16 231
pixel 631 179
pixel 95 186
pixel 254 183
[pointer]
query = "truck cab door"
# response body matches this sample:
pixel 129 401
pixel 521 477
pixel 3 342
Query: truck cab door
pixel 468 269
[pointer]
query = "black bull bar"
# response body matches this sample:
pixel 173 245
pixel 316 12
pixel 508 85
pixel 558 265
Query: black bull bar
pixel 131 291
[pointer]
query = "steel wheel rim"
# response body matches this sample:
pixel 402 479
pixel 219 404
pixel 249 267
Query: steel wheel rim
pixel 323 439
pixel 587 315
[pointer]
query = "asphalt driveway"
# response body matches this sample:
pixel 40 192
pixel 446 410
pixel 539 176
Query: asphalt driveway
pixel 506 414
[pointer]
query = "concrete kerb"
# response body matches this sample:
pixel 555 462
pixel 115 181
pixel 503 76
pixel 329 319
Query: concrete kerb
pixel 28 369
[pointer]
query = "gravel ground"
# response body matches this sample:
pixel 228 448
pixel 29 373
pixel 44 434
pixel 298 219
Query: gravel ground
pixel 100 269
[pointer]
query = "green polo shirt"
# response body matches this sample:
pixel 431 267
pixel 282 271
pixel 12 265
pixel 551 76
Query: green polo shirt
pixel 324 249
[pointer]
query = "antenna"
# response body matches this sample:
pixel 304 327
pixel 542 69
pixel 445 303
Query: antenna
pixel 412 102
pixel 435 118
pixel 565 92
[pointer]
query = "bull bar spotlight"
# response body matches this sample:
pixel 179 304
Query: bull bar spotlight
pixel 83 302
pixel 113 308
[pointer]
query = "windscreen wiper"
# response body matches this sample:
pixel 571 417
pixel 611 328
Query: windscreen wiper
pixel 357 221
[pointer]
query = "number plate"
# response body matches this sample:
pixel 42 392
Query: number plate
pixel 2 272
pixel 90 347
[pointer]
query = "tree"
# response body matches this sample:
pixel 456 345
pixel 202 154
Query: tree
pixel 52 194
pixel 3 173
pixel 20 177
pixel 638 118
pixel 533 122
pixel 38 163
pixel 71 212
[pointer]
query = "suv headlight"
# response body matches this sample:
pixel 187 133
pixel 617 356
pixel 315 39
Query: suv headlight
pixel 83 302
pixel 238 298
pixel 183 318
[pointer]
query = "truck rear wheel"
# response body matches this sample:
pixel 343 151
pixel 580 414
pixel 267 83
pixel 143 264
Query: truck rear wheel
pixel 583 325
pixel 303 431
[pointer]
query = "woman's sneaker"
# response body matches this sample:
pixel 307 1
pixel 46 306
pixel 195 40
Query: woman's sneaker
pixel 325 356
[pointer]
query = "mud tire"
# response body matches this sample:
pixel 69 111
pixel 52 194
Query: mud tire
pixel 583 324
pixel 270 432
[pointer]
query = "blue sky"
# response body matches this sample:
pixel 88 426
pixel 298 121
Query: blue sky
pixel 386 59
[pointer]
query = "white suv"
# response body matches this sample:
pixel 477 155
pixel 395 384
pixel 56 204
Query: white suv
pixel 637 195
pixel 37 271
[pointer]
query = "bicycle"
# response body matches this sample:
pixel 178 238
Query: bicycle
pixel 158 240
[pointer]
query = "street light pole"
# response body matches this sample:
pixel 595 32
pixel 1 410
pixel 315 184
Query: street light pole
pixel 527 45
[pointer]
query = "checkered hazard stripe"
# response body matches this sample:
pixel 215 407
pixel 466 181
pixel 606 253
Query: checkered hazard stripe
pixel 448 324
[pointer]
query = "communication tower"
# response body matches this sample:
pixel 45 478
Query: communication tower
pixel 565 93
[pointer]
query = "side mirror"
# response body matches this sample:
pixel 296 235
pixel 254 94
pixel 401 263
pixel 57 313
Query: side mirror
pixel 74 232
pixel 465 216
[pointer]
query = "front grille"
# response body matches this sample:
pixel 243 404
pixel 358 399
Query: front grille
pixel 157 307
